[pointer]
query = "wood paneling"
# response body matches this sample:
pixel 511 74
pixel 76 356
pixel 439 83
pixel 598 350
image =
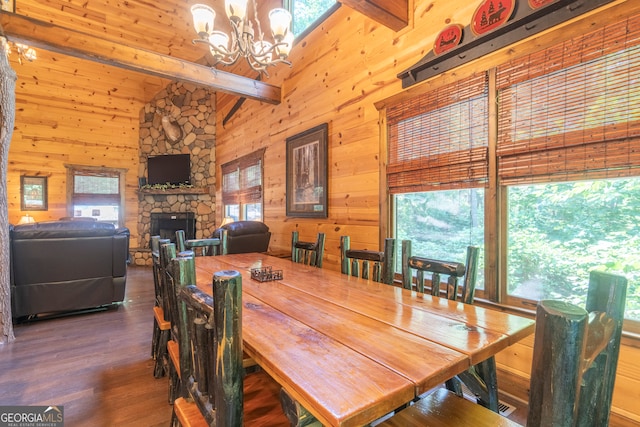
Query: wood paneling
pixel 76 111
pixel 73 111
pixel 44 35
pixel 342 71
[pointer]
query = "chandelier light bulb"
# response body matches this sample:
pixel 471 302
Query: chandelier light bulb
pixel 236 9
pixel 262 51
pixel 284 49
pixel 24 52
pixel 30 54
pixel 280 20
pixel 246 38
pixel 219 40
pixel 203 18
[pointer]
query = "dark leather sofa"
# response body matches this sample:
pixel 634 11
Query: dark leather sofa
pixel 246 236
pixel 62 266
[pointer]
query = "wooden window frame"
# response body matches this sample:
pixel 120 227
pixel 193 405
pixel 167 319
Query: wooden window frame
pixel 245 194
pixel 622 160
pixel 72 198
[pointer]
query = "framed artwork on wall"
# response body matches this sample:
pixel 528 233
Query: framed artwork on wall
pixel 33 193
pixel 307 173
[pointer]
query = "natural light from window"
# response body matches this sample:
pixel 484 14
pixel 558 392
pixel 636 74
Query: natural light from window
pixel 441 224
pixel 306 12
pixel 99 212
pixel 558 232
pixel 97 195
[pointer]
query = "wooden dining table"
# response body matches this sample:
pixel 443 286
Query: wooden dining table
pixel 351 350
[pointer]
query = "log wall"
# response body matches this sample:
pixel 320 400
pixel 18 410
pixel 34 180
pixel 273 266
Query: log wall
pixel 341 72
pixel 70 111
pixel 77 112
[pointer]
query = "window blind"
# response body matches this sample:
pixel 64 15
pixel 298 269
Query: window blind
pixel 439 140
pixel 572 111
pixel 96 187
pixel 242 179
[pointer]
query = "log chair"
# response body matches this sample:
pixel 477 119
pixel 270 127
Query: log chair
pixel 481 378
pixel 215 389
pixel 357 262
pixel 309 253
pixel 573 371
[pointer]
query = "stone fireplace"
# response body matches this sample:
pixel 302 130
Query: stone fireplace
pixel 191 111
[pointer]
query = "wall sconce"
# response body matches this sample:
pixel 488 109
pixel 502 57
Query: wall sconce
pixel 24 52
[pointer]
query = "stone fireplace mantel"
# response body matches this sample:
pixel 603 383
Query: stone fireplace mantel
pixel 193 190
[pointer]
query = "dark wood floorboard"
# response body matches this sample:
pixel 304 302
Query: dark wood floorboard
pixel 97 365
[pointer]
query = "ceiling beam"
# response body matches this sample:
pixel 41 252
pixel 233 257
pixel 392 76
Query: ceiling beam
pixel 390 13
pixel 53 38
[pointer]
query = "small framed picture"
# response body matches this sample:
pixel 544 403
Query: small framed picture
pixel 33 193
pixel 307 173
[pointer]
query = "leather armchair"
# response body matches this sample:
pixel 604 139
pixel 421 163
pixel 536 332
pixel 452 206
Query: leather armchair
pixel 246 236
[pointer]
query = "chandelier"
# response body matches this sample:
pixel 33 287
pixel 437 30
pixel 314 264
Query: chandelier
pixel 245 41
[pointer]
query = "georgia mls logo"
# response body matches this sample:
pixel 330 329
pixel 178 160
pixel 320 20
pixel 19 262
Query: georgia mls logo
pixel 31 416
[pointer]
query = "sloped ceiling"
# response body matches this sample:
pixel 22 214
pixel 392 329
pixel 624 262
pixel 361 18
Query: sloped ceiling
pixel 110 31
pixel 391 13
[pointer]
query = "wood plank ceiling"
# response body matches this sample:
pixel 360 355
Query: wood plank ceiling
pixel 154 37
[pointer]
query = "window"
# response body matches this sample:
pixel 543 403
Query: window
pixel 563 190
pixel 242 187
pixel 441 224
pixel 568 126
pixel 558 232
pixel 96 192
pixel 307 13
pixel 437 170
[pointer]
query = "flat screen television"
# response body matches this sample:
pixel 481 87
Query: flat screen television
pixel 174 169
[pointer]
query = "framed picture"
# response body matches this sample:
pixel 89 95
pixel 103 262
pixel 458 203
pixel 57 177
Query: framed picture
pixel 307 173
pixel 33 193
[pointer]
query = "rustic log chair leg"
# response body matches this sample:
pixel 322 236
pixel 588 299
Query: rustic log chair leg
pixel 161 326
pixel 161 363
pixel 155 248
pixel 174 374
pixel 297 414
pixel 155 336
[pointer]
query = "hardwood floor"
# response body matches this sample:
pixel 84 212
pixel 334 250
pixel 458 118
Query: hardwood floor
pixel 97 365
